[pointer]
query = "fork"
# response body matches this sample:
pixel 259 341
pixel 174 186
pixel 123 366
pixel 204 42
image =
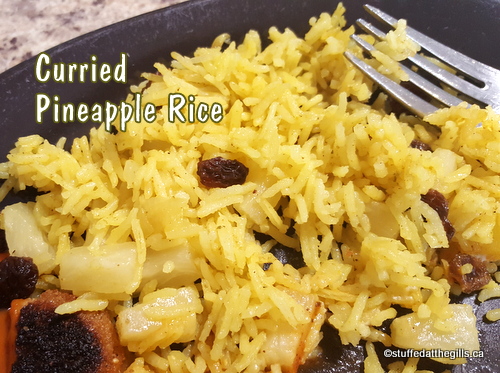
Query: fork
pixel 487 91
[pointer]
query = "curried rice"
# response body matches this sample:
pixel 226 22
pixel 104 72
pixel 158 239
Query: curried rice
pixel 125 224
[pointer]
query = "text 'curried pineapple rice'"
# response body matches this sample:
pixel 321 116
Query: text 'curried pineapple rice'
pixel 125 223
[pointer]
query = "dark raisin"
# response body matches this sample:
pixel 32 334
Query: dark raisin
pixel 18 277
pixel 440 204
pixel 3 242
pixel 420 145
pixel 475 279
pixel 221 172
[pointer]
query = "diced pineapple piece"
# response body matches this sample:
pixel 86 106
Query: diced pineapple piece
pixel 167 215
pixel 181 261
pixel 457 332
pixel 382 222
pixel 25 238
pixel 282 345
pixel 163 317
pixel 290 346
pixel 113 269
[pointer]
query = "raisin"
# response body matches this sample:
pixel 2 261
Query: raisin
pixel 221 172
pixel 18 277
pixel 475 279
pixel 420 145
pixel 439 203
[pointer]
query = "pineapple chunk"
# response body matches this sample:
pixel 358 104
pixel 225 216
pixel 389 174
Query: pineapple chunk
pixel 457 332
pixel 25 238
pixel 291 346
pixel 163 317
pixel 113 269
pixel 183 268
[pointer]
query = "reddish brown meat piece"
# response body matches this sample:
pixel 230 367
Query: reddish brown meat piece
pixel 83 342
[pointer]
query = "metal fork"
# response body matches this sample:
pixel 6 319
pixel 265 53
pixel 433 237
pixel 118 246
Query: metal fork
pixel 487 91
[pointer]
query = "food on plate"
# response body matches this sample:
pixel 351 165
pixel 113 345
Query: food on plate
pixel 232 245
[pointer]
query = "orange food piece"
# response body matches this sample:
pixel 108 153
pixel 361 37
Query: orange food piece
pixel 4 333
pixel 8 333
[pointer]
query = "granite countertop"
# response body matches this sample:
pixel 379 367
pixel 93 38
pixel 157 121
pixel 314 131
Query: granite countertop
pixel 29 27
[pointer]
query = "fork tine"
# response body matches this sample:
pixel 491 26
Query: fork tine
pixel 370 29
pixel 450 56
pixel 422 83
pixel 488 93
pixel 446 54
pixel 411 101
pixel 448 78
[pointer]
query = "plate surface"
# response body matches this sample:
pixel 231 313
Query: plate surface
pixel 470 26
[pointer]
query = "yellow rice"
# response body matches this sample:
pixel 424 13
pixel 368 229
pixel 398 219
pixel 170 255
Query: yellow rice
pixel 320 158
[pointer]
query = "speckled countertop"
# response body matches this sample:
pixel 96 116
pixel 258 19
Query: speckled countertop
pixel 29 27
